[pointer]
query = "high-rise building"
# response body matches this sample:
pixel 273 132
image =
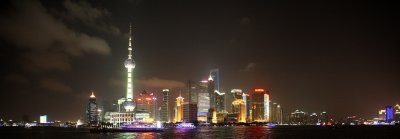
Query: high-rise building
pixel 91 110
pixel 382 115
pixel 238 105
pixel 179 109
pixel 260 105
pixel 219 101
pixel 129 65
pixel 247 105
pixel 389 114
pixel 218 96
pixel 164 114
pixel 211 92
pixel 397 113
pixel 192 92
pixel 203 104
pixel 214 73
pixel 43 119
pixel 145 105
pixel 189 112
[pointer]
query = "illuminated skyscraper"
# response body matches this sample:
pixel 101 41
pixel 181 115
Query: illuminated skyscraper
pixel 91 110
pixel 218 97
pixel 203 103
pixel 145 104
pixel 189 112
pixel 382 115
pixel 397 113
pixel 238 105
pixel 179 109
pixel 165 115
pixel 129 65
pixel 248 106
pixel 219 101
pixel 214 73
pixel 260 103
pixel 389 114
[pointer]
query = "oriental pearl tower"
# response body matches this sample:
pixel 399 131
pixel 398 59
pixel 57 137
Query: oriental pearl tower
pixel 130 65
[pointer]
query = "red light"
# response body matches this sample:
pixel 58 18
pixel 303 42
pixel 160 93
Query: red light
pixel 148 98
pixel 139 99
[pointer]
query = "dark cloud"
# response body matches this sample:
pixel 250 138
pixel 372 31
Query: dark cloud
pixel 54 86
pixel 16 78
pixel 90 16
pixel 47 42
pixel 249 67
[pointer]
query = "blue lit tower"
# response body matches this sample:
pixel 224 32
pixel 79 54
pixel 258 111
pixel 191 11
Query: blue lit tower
pixel 130 65
pixel 389 114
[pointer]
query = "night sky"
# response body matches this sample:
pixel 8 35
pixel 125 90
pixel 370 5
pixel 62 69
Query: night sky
pixel 341 57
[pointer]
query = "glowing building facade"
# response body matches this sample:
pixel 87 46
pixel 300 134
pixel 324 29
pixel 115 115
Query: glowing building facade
pixel 389 114
pixel 203 104
pixel 260 105
pixel 91 110
pixel 238 105
pixel 145 107
pixel 164 114
pixel 179 109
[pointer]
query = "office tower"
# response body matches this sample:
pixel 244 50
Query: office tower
pixel 218 96
pixel 238 105
pixel 279 114
pixel 397 113
pixel 273 112
pixel 129 65
pixel 43 119
pixel 145 107
pixel 260 105
pixel 164 113
pixel 219 101
pixel 382 115
pixel 211 92
pixel 203 104
pixel 214 73
pixel 189 112
pixel 192 92
pixel 179 109
pixel 247 105
pixel 91 110
pixel 389 114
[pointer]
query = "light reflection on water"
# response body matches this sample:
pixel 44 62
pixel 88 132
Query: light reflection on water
pixel 237 132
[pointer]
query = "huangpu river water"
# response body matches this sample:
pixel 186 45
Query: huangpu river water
pixel 226 132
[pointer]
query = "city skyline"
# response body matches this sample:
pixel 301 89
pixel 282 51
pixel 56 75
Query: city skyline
pixel 319 63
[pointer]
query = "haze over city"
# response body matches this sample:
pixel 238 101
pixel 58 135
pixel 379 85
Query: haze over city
pixel 338 57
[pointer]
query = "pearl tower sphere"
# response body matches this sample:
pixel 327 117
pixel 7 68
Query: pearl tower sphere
pixel 130 65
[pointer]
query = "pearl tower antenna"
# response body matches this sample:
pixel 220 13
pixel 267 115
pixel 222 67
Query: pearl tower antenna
pixel 129 65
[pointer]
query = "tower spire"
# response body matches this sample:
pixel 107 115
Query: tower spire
pixel 92 96
pixel 130 41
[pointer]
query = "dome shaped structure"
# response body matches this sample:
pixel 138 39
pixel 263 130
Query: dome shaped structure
pixel 129 63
